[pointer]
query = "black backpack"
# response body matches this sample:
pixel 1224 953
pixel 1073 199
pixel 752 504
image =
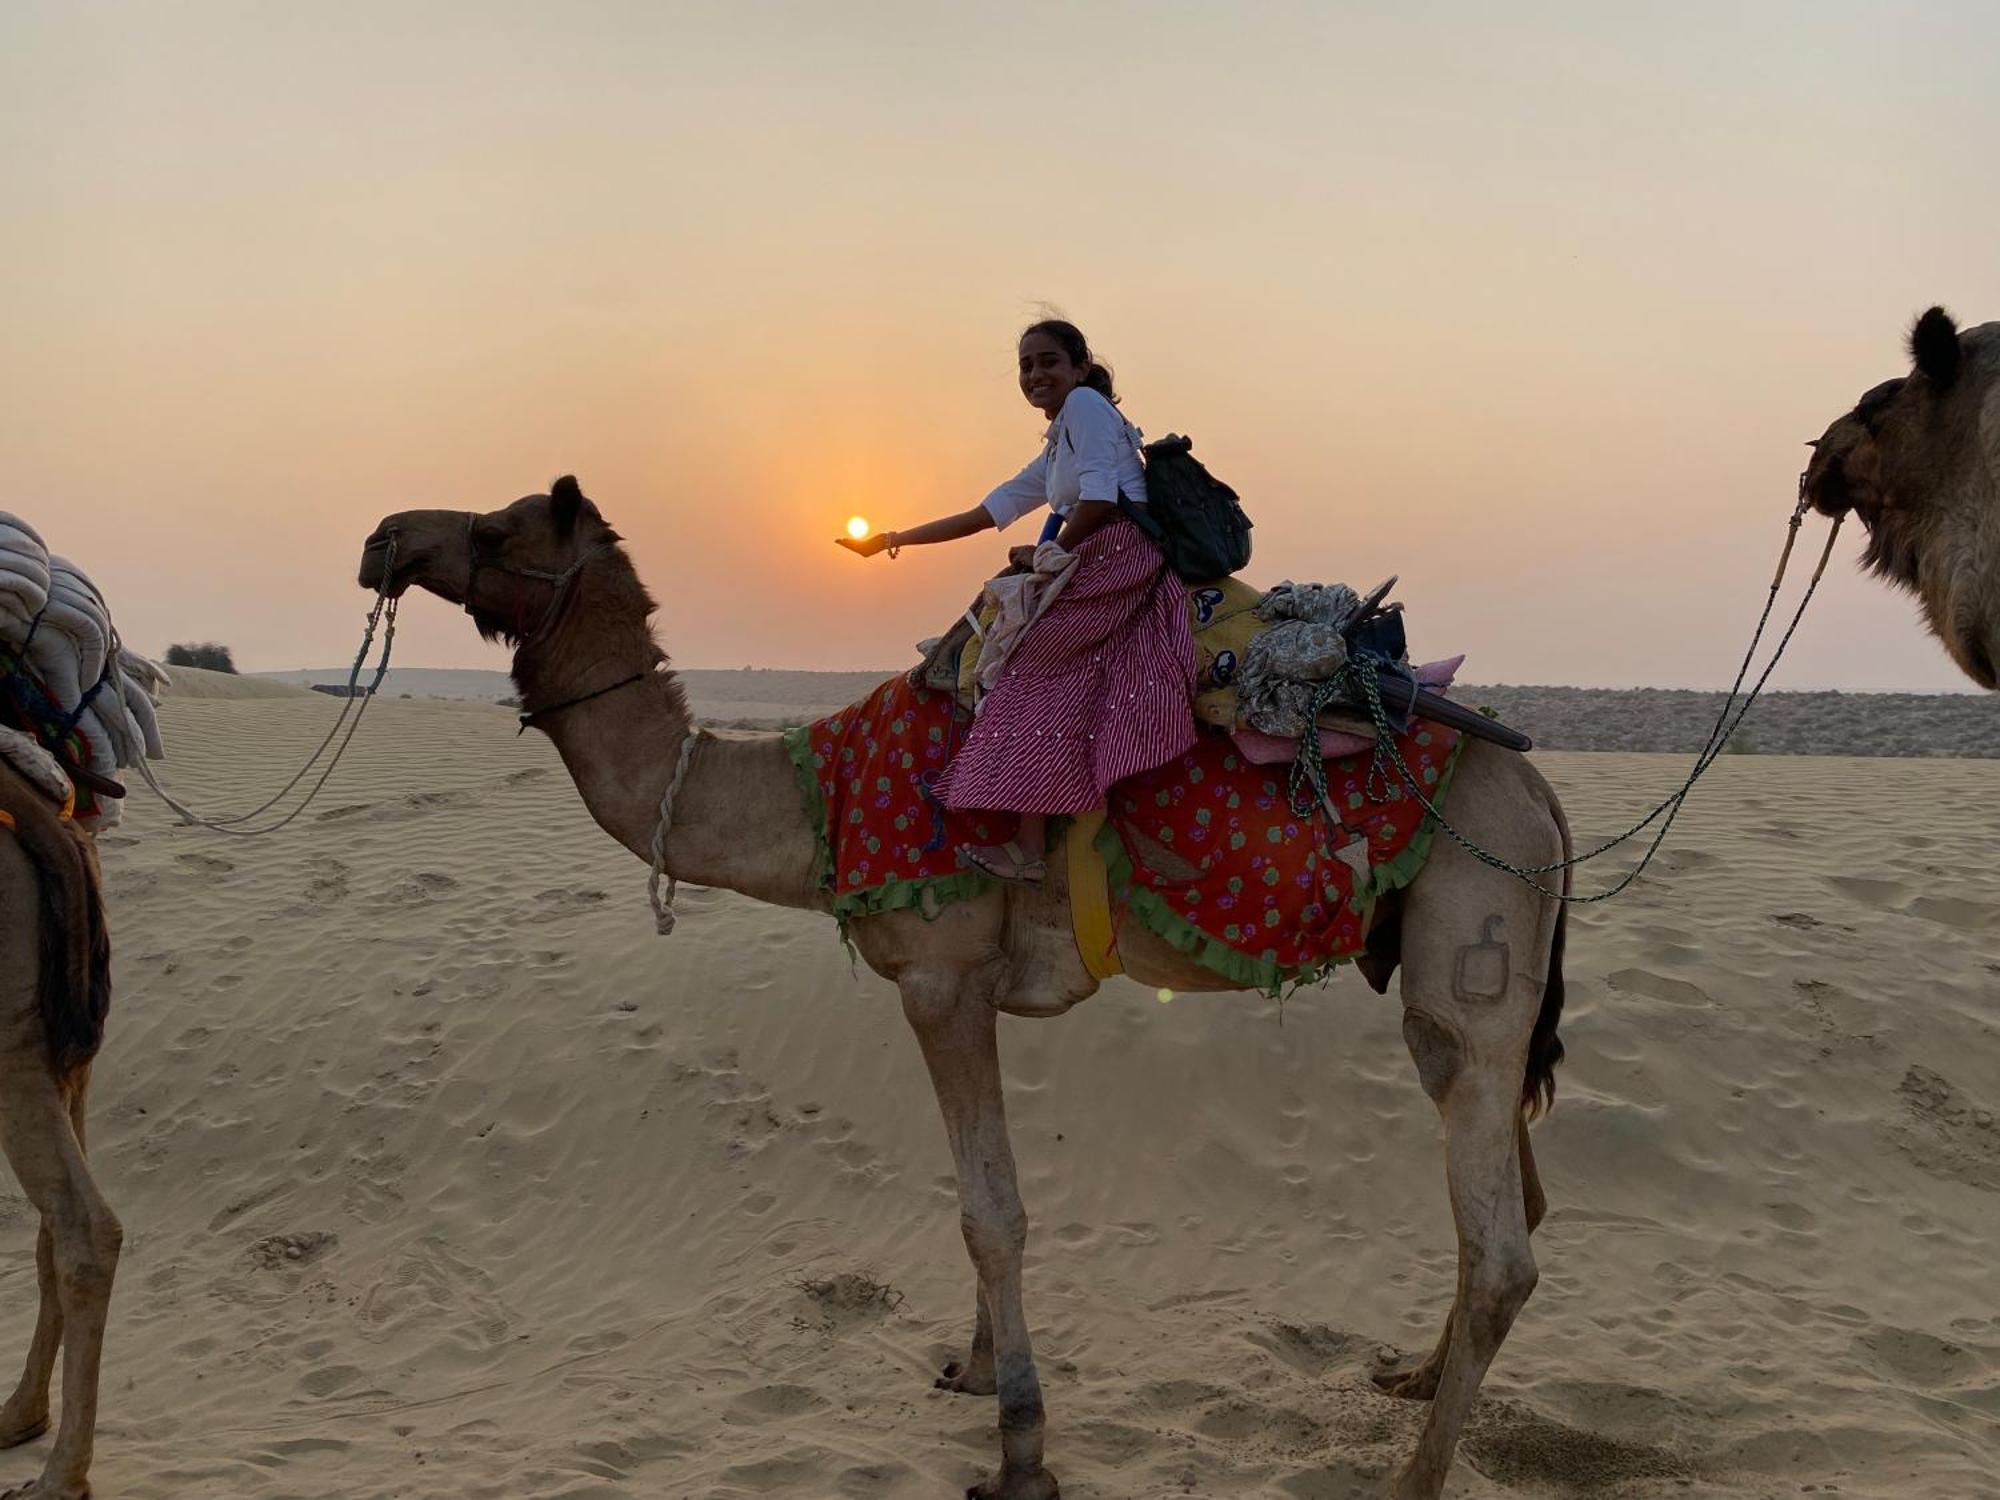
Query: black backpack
pixel 1192 517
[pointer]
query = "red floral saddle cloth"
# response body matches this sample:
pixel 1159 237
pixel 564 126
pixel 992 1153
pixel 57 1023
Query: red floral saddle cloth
pixel 1206 850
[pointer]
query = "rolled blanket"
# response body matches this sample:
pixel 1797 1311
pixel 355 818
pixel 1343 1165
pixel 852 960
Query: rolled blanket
pixel 57 626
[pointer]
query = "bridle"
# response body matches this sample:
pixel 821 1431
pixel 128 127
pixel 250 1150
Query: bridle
pixel 560 583
pixel 560 587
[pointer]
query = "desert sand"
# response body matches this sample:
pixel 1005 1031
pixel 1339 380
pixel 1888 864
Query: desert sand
pixel 444 1176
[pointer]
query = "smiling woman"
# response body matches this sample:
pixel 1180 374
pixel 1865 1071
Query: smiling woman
pixel 1101 685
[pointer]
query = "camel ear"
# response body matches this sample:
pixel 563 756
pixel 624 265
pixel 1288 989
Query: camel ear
pixel 1934 346
pixel 568 501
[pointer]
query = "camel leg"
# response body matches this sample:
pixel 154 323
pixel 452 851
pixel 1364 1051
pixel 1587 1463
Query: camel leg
pixel 961 1047
pixel 1476 967
pixel 25 1417
pixel 39 1135
pixel 973 1376
pixel 1421 1382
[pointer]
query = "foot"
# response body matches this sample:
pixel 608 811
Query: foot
pixel 1040 1485
pixel 971 1377
pixel 23 1427
pixel 1420 1384
pixel 45 1488
pixel 1008 861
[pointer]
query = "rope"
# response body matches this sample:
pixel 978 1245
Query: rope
pixel 1362 672
pixel 382 615
pixel 663 911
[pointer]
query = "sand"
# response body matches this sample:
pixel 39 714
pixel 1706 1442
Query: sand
pixel 444 1176
pixel 198 682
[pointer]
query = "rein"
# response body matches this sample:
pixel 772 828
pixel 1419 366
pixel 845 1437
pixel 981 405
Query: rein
pixel 383 614
pixel 1361 672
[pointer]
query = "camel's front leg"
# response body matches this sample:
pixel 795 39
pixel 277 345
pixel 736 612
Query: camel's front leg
pixel 973 1376
pixel 959 1037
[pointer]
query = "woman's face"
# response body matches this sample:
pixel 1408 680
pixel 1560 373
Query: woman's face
pixel 1047 374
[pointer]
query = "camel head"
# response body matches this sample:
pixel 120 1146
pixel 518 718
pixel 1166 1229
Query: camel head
pixel 510 569
pixel 1918 460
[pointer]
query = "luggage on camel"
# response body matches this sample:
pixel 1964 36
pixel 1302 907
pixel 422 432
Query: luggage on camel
pixel 1195 519
pixel 80 705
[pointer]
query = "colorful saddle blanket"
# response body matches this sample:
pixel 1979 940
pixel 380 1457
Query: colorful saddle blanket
pixel 1205 851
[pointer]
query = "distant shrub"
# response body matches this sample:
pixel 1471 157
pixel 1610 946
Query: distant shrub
pixel 208 655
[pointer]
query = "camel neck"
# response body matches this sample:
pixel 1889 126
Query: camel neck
pixel 739 821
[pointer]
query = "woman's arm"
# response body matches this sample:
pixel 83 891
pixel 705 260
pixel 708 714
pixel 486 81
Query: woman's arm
pixel 1085 517
pixel 944 529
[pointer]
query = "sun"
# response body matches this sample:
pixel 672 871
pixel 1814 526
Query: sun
pixel 857 527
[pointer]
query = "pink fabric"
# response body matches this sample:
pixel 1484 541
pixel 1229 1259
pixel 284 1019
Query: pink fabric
pixel 1100 688
pixel 1270 749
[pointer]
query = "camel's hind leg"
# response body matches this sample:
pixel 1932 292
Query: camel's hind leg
pixel 1421 1383
pixel 77 1253
pixel 25 1417
pixel 958 1034
pixel 1479 957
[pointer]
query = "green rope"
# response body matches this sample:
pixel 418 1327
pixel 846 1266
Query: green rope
pixel 1362 673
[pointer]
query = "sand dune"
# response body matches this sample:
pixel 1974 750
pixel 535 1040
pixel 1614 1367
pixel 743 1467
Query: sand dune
pixel 197 682
pixel 443 1176
pixel 1947 725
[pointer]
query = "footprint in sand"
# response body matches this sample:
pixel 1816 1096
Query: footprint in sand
pixel 1659 987
pixel 204 864
pixel 1946 1133
pixel 773 1403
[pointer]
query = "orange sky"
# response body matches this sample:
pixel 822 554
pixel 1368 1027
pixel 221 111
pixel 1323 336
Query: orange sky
pixel 1536 311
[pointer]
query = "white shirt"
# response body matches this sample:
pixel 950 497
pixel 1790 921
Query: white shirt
pixel 1090 453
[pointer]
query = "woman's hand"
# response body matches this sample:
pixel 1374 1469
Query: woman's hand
pixel 867 546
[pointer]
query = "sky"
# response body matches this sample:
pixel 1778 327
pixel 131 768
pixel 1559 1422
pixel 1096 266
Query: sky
pixel 1532 305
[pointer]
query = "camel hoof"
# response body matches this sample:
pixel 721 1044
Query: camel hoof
pixel 20 1435
pixel 37 1489
pixel 1040 1485
pixel 1420 1384
pixel 961 1380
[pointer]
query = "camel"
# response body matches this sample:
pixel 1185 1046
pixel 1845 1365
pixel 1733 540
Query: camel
pixel 548 576
pixel 55 988
pixel 1918 460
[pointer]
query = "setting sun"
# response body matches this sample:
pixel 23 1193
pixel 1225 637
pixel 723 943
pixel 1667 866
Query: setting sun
pixel 857 527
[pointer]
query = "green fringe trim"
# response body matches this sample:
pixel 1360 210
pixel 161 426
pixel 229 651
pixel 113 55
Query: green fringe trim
pixel 1268 975
pixel 929 894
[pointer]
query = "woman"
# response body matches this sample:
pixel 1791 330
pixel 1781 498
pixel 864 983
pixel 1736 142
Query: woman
pixel 1101 686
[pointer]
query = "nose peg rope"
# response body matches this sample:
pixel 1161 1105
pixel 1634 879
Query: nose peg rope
pixel 1361 671
pixel 383 616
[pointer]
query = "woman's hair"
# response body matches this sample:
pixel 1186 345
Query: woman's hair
pixel 1072 342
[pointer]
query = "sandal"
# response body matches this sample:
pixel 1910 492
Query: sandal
pixel 1006 861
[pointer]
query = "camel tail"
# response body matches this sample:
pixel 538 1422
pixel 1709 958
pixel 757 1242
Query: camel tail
pixel 1545 1048
pixel 73 941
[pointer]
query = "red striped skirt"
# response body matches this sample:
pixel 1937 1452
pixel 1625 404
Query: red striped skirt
pixel 1100 688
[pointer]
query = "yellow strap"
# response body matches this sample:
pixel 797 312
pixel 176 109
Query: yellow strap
pixel 1090 898
pixel 6 818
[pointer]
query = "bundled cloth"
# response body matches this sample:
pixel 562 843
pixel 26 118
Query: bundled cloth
pixel 67 678
pixel 1285 665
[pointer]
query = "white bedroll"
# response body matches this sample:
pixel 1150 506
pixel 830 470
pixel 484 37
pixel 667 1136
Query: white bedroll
pixel 55 622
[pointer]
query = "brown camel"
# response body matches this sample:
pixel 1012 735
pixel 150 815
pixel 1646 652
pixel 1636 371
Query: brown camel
pixel 55 988
pixel 546 573
pixel 1918 459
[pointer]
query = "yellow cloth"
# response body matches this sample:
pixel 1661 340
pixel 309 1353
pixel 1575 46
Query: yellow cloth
pixel 1090 898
